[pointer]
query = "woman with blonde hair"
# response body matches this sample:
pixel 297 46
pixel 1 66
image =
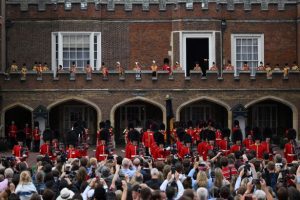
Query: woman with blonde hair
pixel 203 181
pixel 219 179
pixel 25 188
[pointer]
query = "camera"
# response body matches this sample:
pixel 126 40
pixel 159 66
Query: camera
pixel 173 169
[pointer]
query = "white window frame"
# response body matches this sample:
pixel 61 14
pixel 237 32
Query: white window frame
pixel 260 52
pixel 210 35
pixel 60 48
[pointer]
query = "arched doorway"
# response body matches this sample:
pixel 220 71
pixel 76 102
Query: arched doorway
pixel 204 110
pixel 63 115
pixel 137 112
pixel 20 115
pixel 272 114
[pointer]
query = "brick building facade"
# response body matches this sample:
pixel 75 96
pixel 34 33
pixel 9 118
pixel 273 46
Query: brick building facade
pixel 59 32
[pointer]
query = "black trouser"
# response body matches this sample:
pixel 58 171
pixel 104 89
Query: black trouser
pixel 36 146
pixel 28 144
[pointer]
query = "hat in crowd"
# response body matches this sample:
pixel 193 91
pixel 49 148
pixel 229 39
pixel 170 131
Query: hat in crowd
pixel 226 132
pixel 211 135
pixel 134 135
pixel 267 133
pixel 291 134
pixel 256 134
pixel 101 125
pixel 47 135
pixel 20 136
pixel 180 133
pixel 65 193
pixel 237 136
pixel 187 138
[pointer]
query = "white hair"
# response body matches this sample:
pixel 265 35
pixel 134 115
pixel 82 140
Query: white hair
pixel 154 172
pixel 125 162
pixel 202 193
pixel 260 195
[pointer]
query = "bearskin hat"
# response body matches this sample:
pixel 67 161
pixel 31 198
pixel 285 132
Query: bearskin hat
pixel 101 125
pixel 267 133
pixel 154 127
pixel 134 135
pixel 107 123
pixel 236 123
pixel 20 136
pixel 166 61
pixel 76 124
pixel 36 124
pixel 291 134
pixel 71 138
pixel 162 126
pixel 256 134
pixel 237 136
pixel 130 126
pixel 104 134
pixel 180 133
pixel 187 138
pixel 211 135
pixel 189 124
pixel 203 134
pixel 159 138
pixel 226 132
pixel 47 135
pixel 148 124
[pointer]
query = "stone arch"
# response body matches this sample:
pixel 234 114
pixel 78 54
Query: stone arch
pixel 211 99
pixel 114 108
pixel 8 107
pixel 99 116
pixel 280 100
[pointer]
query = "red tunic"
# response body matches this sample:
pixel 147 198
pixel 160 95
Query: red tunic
pixel 259 150
pixel 229 171
pixel 72 153
pixel 179 145
pixel 28 132
pixel 223 145
pixel 101 152
pixel 167 68
pixel 267 149
pixel 289 149
pixel 247 143
pixel 132 151
pixel 17 151
pixel 218 137
pixel 12 131
pixel 205 151
pixel 201 148
pixel 36 134
pixel 148 138
pixel 184 151
pixel 235 148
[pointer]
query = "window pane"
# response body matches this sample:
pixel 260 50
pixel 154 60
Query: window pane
pixel 238 42
pixel 255 41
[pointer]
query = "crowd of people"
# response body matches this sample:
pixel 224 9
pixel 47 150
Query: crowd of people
pixel 189 162
pixel 88 69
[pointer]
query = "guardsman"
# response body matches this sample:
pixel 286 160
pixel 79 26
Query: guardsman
pixel 202 145
pixel 237 138
pixel 211 137
pixel 19 150
pixel 102 149
pixel 132 148
pixel 36 135
pixel 72 139
pixel 289 148
pixel 46 149
pixel 247 142
pixel 12 133
pixel 28 134
pixel 186 148
pixel 267 133
pixel 224 144
pixel 148 139
pixel 257 147
pixel 101 127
